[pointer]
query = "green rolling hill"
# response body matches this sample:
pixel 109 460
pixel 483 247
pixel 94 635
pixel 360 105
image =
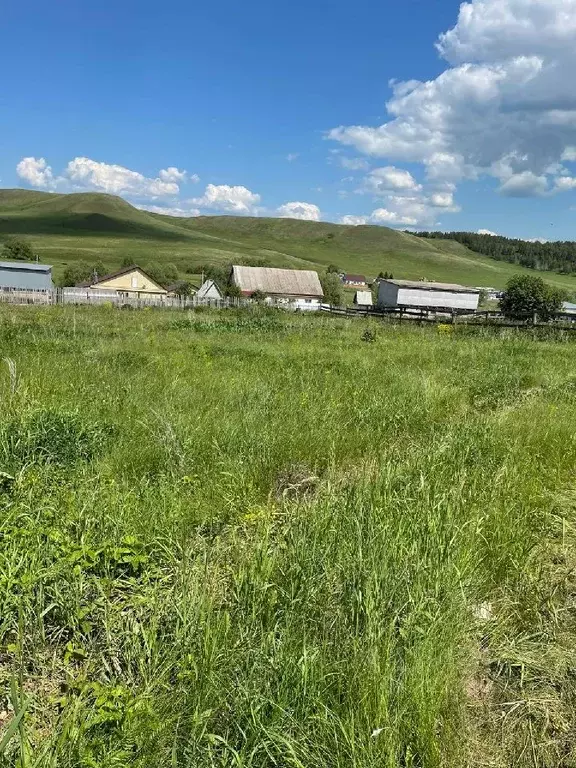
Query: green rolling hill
pixel 64 228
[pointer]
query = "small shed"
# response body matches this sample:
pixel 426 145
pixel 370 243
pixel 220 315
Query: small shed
pixel 422 295
pixel 25 276
pixel 209 290
pixel 130 282
pixel 363 299
pixel 292 288
pixel 569 308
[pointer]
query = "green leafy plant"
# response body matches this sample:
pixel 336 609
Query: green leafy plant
pixel 17 248
pixel 528 297
pixel 332 287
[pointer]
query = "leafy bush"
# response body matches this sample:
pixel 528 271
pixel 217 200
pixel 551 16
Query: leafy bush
pixel 16 248
pixel 526 297
pixel 332 287
pixel 81 271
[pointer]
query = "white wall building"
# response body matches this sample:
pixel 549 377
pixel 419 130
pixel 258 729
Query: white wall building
pixel 290 288
pixel 421 295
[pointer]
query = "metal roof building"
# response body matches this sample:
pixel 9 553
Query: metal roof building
pixel 277 282
pixel 25 276
pixel 422 294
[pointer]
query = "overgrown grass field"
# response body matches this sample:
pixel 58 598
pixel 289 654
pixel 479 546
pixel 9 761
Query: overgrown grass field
pixel 251 539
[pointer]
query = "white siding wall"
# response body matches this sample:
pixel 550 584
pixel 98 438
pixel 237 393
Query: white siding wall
pixel 293 302
pixel 414 297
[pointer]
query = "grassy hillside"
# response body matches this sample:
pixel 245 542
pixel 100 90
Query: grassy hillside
pixel 247 539
pixel 92 227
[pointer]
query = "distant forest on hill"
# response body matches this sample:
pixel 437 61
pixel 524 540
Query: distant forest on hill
pixel 553 256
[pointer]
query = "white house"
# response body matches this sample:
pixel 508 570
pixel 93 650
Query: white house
pixel 209 290
pixel 290 288
pixel 358 281
pixel 422 294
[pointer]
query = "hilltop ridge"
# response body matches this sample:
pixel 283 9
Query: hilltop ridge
pixel 89 226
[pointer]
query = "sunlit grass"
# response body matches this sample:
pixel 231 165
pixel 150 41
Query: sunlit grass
pixel 250 539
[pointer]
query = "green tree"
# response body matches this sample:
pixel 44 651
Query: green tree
pixel 16 248
pixel 183 288
pixel 232 291
pixel 127 261
pixel 527 297
pixel 332 287
pixel 82 271
pixel 171 271
pixel 333 268
pixel 258 296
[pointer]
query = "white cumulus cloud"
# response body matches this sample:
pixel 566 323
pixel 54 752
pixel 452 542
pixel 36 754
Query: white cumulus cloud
pixel 354 221
pixel 383 180
pixel 170 210
pixel 504 106
pixel 116 179
pixel 442 199
pixel 228 199
pixel 384 216
pixel 86 174
pixel 178 176
pixel 36 171
pixel 298 210
pixel 487 232
pixel 525 184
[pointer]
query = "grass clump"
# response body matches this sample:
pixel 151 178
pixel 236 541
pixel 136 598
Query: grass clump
pixel 52 437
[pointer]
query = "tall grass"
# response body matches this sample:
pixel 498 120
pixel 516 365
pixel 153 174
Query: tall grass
pixel 251 539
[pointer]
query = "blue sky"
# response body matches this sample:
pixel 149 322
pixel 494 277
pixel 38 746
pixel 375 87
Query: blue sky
pixel 321 110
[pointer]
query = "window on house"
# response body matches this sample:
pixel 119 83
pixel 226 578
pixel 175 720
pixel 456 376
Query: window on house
pixel 134 282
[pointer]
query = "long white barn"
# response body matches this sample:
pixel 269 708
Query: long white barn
pixel 421 294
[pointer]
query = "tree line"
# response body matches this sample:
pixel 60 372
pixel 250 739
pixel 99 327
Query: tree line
pixel 557 256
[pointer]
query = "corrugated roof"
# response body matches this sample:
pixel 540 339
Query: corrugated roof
pixel 363 298
pixel 279 282
pixel 28 265
pixel 355 278
pixel 426 286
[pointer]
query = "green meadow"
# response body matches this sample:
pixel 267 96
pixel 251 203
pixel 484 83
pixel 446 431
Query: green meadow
pixel 95 228
pixel 249 539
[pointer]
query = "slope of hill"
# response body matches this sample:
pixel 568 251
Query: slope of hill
pixel 64 228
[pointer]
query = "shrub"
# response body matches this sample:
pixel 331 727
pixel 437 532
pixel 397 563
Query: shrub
pixel 529 297
pixel 16 248
pixel 332 287
pixel 82 271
